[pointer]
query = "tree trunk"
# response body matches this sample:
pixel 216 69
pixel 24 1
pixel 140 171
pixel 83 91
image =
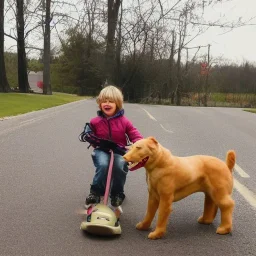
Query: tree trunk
pixel 179 78
pixel 4 85
pixel 47 50
pixel 207 78
pixel 113 8
pixel 118 51
pixel 22 59
pixel 171 73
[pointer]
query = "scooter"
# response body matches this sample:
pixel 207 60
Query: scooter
pixel 102 219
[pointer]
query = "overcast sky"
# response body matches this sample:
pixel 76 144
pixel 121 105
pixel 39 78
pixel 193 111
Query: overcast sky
pixel 237 45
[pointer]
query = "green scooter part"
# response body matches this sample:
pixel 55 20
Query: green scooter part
pixel 102 221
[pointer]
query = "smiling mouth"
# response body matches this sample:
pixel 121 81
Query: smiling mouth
pixel 136 165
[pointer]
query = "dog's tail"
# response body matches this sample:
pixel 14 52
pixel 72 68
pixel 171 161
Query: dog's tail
pixel 231 159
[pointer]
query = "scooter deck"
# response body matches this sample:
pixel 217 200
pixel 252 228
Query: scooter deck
pixel 101 230
pixel 102 220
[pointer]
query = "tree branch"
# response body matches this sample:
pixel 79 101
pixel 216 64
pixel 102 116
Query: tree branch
pixel 34 48
pixel 27 33
pixel 10 36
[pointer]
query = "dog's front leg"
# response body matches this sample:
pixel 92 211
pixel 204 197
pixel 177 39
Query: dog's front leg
pixel 165 208
pixel 153 203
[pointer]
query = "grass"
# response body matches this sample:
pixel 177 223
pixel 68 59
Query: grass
pixel 12 104
pixel 253 110
pixel 219 97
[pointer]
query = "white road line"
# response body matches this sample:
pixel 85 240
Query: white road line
pixel 150 116
pixel 249 196
pixel 166 129
pixel 241 172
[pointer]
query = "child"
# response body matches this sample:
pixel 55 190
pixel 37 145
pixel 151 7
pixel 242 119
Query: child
pixel 110 124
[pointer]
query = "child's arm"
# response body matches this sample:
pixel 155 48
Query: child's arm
pixel 132 132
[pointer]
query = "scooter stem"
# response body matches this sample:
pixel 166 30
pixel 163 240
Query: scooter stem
pixel 110 168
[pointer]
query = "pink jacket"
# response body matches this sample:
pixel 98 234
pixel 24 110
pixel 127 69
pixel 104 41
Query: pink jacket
pixel 115 128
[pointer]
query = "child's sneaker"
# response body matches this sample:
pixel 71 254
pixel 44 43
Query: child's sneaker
pixel 92 198
pixel 117 199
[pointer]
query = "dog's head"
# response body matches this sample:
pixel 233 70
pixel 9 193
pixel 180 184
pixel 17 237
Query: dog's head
pixel 141 152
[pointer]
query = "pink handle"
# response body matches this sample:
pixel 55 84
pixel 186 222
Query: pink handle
pixel 110 168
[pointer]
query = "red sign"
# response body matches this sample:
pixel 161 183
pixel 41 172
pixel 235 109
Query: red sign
pixel 40 84
pixel 204 68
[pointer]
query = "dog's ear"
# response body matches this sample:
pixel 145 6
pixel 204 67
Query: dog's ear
pixel 153 139
pixel 153 142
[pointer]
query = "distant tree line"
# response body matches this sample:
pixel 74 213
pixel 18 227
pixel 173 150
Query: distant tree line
pixel 142 47
pixel 148 78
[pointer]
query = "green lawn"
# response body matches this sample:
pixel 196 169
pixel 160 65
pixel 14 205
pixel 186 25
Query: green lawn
pixel 253 110
pixel 12 104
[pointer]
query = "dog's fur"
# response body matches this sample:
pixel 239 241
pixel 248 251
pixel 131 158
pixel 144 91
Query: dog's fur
pixel 172 178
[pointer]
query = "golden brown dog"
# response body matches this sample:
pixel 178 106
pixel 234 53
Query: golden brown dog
pixel 172 178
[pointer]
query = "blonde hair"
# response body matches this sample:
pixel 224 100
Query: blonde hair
pixel 111 93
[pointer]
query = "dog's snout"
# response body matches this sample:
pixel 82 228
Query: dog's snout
pixel 126 158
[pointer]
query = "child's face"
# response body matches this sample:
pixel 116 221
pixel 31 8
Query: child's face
pixel 108 107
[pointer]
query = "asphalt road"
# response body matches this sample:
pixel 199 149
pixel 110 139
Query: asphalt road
pixel 45 173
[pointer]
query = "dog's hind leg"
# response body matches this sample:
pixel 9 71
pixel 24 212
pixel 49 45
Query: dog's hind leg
pixel 210 211
pixel 226 205
pixel 164 210
pixel 153 204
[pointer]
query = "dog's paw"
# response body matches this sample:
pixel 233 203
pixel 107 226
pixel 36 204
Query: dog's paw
pixel 223 230
pixel 155 235
pixel 142 226
pixel 201 220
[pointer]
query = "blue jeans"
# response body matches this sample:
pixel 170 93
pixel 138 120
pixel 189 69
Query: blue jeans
pixel 120 169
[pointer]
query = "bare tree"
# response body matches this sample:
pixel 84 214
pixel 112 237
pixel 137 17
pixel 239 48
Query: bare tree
pixel 138 38
pixel 4 85
pixel 91 13
pixel 47 49
pixel 113 9
pixel 206 84
pixel 119 49
pixel 171 70
pixel 31 22
pixel 183 24
pixel 22 59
